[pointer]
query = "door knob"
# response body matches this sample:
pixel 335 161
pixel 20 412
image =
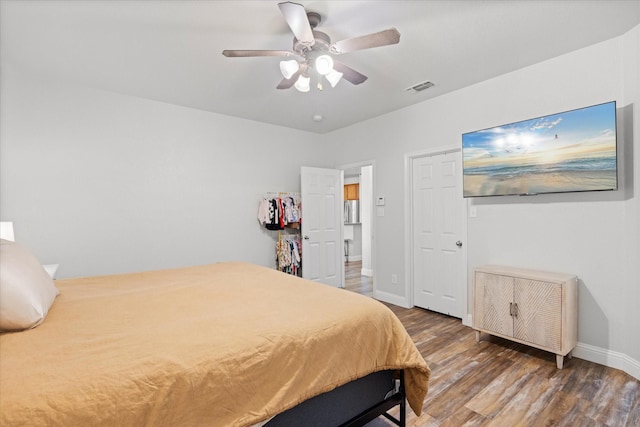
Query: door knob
pixel 459 244
pixel 306 237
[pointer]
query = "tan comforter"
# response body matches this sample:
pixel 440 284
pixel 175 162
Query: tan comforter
pixel 223 344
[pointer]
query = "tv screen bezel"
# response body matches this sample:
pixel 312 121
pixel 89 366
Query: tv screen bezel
pixel 546 116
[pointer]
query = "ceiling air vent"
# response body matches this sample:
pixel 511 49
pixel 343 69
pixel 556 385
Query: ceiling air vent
pixel 419 87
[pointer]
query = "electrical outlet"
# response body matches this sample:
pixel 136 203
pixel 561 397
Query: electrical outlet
pixel 394 279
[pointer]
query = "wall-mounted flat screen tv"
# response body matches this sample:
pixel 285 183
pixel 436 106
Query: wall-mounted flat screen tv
pixel 564 152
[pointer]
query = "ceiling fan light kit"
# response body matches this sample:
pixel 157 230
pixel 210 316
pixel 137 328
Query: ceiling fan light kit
pixel 314 48
pixel 333 77
pixel 324 64
pixel 303 84
pixel 289 68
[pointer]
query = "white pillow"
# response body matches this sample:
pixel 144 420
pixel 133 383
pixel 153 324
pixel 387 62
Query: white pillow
pixel 26 290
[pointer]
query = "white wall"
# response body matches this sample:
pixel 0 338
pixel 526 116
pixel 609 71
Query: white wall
pixel 593 235
pixel 104 183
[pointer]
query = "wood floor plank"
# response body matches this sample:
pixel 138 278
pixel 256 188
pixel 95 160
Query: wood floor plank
pixel 521 407
pixel 614 400
pixel 500 383
pixel 565 409
pixel 587 379
pixel 633 418
pixel 502 390
pixel 459 392
pixel 461 418
pixel 548 389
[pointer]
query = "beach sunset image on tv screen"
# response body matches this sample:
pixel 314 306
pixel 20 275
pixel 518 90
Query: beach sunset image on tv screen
pixel 565 152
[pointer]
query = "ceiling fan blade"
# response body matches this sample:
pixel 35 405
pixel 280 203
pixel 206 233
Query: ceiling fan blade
pixel 296 18
pixel 348 73
pixel 381 38
pixel 250 53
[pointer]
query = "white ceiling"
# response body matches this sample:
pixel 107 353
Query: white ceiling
pixel 170 51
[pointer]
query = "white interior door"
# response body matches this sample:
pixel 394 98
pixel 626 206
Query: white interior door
pixel 322 210
pixel 438 215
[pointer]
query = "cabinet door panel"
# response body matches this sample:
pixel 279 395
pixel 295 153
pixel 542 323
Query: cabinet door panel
pixel 352 191
pixel 494 294
pixel 539 312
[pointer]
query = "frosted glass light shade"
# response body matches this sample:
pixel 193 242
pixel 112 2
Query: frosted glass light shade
pixel 324 64
pixel 6 231
pixel 289 68
pixel 302 84
pixel 334 77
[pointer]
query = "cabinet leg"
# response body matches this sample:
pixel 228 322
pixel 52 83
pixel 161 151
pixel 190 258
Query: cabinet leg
pixel 477 336
pixel 559 360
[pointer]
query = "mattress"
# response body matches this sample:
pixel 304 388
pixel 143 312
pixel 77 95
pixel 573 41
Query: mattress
pixel 221 344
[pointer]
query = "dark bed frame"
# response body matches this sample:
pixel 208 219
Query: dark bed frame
pixel 351 405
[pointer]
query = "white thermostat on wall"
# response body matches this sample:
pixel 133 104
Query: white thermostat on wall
pixel 379 201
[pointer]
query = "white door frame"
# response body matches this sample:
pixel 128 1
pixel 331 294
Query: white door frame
pixel 408 229
pixel 372 163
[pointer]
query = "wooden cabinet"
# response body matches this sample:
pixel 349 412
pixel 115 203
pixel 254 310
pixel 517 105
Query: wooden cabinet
pixel 531 307
pixel 352 191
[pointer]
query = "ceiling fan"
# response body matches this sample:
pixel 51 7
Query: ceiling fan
pixel 313 50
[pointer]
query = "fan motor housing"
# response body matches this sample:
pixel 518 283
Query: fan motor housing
pixel 322 42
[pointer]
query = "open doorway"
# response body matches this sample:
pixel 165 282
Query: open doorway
pixel 358 228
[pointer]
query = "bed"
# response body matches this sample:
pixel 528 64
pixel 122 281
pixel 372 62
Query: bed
pixel 226 344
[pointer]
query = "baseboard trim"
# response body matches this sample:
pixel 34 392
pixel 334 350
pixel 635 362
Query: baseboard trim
pixel 610 358
pixel 353 258
pixel 391 298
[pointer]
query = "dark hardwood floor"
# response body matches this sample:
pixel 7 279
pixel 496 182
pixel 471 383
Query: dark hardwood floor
pixel 500 383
